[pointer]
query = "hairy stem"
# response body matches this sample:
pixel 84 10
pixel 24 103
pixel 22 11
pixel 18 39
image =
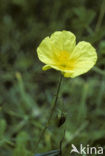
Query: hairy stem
pixel 51 113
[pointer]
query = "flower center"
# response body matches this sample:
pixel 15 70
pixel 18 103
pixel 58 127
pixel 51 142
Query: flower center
pixel 62 59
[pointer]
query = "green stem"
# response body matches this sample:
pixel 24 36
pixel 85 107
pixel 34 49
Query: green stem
pixel 101 16
pixel 51 113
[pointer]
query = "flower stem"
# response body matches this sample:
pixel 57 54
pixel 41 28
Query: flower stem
pixel 51 113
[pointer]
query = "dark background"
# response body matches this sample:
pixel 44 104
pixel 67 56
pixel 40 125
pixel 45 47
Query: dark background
pixel 27 92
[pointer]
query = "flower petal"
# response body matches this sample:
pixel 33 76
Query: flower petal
pixel 51 48
pixel 45 52
pixel 85 57
pixel 63 40
pixel 68 74
pixel 46 67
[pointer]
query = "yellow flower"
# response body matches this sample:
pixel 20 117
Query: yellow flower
pixel 59 51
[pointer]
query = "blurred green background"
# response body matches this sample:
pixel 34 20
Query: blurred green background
pixel 27 92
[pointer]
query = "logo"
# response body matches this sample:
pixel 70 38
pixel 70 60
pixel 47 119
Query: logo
pixel 86 150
